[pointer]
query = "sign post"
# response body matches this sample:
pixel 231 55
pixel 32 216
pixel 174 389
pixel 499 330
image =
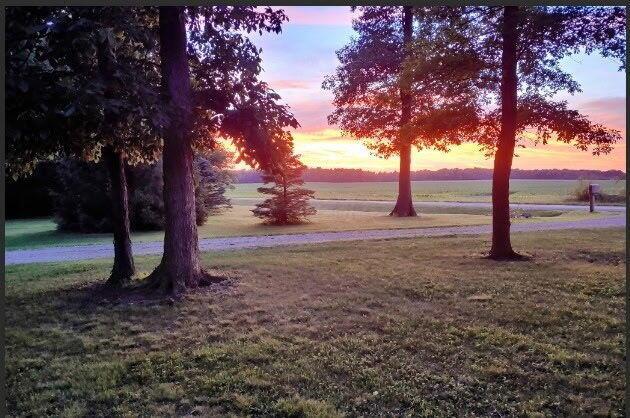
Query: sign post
pixel 593 189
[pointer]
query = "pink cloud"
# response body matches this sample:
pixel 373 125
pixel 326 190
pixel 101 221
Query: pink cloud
pixel 290 84
pixel 609 111
pixel 319 15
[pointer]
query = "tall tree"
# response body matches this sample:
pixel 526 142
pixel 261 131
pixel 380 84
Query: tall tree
pixel 501 244
pixel 382 97
pixel 404 203
pixel 180 260
pixel 82 82
pixel 227 100
pixel 521 49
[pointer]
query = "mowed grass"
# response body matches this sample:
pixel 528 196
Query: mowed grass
pixel 414 327
pixel 236 221
pixel 522 191
pixel 239 221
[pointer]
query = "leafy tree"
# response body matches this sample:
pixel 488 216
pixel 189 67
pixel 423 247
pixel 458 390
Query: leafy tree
pixel 520 49
pixel 80 192
pixel 83 82
pixel 392 88
pixel 210 80
pixel 70 81
pixel 289 203
pixel 81 197
pixel 212 178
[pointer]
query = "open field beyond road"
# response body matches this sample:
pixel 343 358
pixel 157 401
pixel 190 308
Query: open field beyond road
pixel 423 327
pixel 239 221
pixel 521 191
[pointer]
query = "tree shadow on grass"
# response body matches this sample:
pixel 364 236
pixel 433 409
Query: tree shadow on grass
pixel 78 307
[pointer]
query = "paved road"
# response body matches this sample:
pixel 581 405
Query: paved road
pixel 84 252
pixel 387 205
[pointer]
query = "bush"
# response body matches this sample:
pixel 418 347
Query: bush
pixel 146 207
pixel 580 194
pixel 82 198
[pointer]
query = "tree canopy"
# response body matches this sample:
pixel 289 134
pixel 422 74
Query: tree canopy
pixel 546 35
pixel 376 64
pixel 57 97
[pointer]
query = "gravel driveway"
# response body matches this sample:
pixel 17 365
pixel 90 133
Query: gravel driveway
pixel 388 204
pixel 84 252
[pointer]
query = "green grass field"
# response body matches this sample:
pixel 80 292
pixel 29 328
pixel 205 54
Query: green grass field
pixel 523 191
pixel 239 221
pixel 410 327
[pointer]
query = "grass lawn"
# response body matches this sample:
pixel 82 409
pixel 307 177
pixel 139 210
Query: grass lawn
pixel 522 191
pixel 239 221
pixel 418 327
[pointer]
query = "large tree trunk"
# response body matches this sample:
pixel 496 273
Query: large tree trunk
pixel 123 268
pixel 180 268
pixel 501 245
pixel 404 204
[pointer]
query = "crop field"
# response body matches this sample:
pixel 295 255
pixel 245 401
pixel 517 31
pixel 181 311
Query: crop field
pixel 522 191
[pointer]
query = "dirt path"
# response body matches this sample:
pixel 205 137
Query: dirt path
pixel 387 204
pixel 85 252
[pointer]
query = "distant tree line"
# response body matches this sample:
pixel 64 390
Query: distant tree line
pixel 339 175
pixel 24 191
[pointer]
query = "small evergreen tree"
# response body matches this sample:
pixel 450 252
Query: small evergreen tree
pixel 288 204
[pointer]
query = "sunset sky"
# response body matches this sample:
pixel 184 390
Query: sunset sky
pixel 296 61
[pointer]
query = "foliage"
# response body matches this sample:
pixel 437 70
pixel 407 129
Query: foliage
pixel 229 100
pixel 342 175
pixel 289 203
pixel 57 96
pixel 212 180
pixel 581 194
pixel 546 35
pixel 82 198
pixel 376 65
pixel 80 78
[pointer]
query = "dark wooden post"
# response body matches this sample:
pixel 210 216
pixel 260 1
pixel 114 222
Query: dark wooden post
pixel 593 189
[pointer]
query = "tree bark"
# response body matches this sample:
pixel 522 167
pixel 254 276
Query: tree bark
pixel 501 245
pixel 123 268
pixel 404 204
pixel 180 268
